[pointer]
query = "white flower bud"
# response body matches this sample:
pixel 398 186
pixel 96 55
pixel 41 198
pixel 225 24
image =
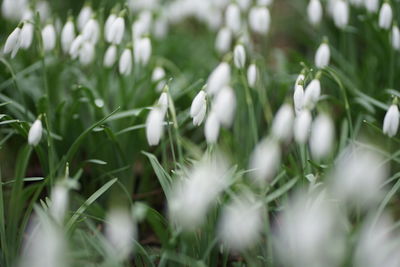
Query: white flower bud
pixel 244 4
pixel 259 19
pixel 125 62
pixel 91 31
pixel 302 125
pixel 26 35
pixel 199 117
pixel 224 106
pixel 59 202
pixel 158 74
pixel 385 16
pixel 211 128
pixel 84 16
pixel 142 25
pixel 223 40
pixel 117 30
pixel 252 74
pixel 314 12
pixel 265 160
pixel 298 98
pixel 391 121
pixel 35 133
pixel 86 53
pixel 282 125
pixel 198 108
pixel 67 36
pixel 220 77
pixel 75 47
pixel 239 56
pixel 13 42
pixel 12 9
pixel 110 56
pixel 107 27
pixel 154 126
pixel 49 37
pixel 395 38
pixel 312 93
pixel 142 51
pixel 233 18
pixel 322 56
pixel 322 136
pixel 163 102
pixel 372 5
pixel 341 13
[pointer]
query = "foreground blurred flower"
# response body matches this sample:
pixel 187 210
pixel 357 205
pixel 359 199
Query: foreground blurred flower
pixel 59 202
pixel 239 56
pixel 35 133
pixel 372 5
pixel 312 93
pixel 302 125
pixel 395 38
pixel 154 126
pixel 220 77
pixel 233 19
pixel 75 47
pixel 314 12
pixel 26 35
pixel 125 62
pixel 91 31
pixel 49 37
pixel 196 191
pixel 322 56
pixel 84 16
pixel 198 108
pixel 107 26
pixel 223 40
pixel 86 53
pixel 120 232
pixel 142 51
pixel 211 128
pixel 13 42
pixel 116 31
pixel 265 160
pixel 385 16
pixel 357 177
pixel 252 74
pixel 224 106
pixel 283 123
pixel 259 19
pixel 67 35
pixel 322 135
pixel 110 56
pixel 391 121
pixel 341 13
pixel 158 74
pixel 240 225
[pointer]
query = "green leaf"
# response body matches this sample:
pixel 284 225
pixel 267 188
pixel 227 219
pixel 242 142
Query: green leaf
pixel 163 177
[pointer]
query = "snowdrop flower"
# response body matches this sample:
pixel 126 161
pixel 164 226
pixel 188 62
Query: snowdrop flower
pixel 142 51
pixel 309 232
pixel 244 4
pixel 125 62
pixel 67 35
pixel 49 37
pixel 158 74
pixel 372 5
pixel 357 177
pixel 259 19
pixel 312 93
pixel 391 121
pixel 43 8
pixel 239 56
pixel 163 102
pixel 12 9
pixel 91 31
pixel 120 230
pixel 154 126
pixel 196 191
pixel 211 128
pixel 26 35
pixel 385 16
pixel 314 12
pixel 142 25
pixel 233 18
pixel 220 77
pixel 35 133
pixel 13 42
pixel 252 74
pixel 86 53
pixel 107 27
pixel 59 202
pixel 322 56
pixel 75 47
pixel 117 30
pixel 224 106
pixel 322 136
pixel 223 40
pixel 160 28
pixel 302 125
pixel 283 123
pixel 265 160
pixel 110 56
pixel 241 223
pixel 298 98
pixel 341 13
pixel 395 38
pixel 84 16
pixel 198 108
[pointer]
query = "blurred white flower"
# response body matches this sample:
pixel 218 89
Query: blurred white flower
pixel 314 12
pixel 211 128
pixel 239 56
pixel 125 62
pixel 110 57
pixel 395 38
pixel 116 31
pixel 13 42
pixel 75 47
pixel 322 56
pixel 259 19
pixel 282 125
pixel 391 121
pixel 298 98
pixel 224 106
pixel 219 77
pixel 265 160
pixel 163 102
pixel 341 13
pixel 160 28
pixel 67 35
pixel 302 126
pixel 142 51
pixel 244 4
pixel 84 16
pixel 35 133
pixel 223 40
pixel 240 225
pixel 86 53
pixel 372 5
pixel 154 126
pixel 357 3
pixel 312 93
pixel 59 202
pixel 142 25
pixel 107 27
pixel 26 35
pixel 158 74
pixel 322 136
pixel 252 74
pixel 91 31
pixel 13 9
pixel 198 108
pixel 233 18
pixel 49 37
pixel 264 2
pixel 385 16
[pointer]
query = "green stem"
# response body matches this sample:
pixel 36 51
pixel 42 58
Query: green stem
pixel 250 107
